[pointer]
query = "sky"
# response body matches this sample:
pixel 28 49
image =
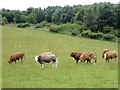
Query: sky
pixel 24 4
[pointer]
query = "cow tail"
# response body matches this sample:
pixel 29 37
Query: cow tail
pixel 95 59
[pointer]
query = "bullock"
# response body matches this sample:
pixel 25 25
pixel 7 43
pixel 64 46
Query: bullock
pixel 109 55
pixel 104 51
pixel 16 56
pixel 46 58
pixel 76 56
pixel 88 56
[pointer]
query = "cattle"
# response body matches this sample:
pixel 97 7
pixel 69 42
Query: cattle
pixel 76 56
pixel 46 58
pixel 88 56
pixel 16 56
pixel 109 55
pixel 104 51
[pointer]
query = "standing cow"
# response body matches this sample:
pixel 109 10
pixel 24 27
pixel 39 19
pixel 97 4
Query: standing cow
pixel 76 56
pixel 88 56
pixel 16 56
pixel 46 58
pixel 109 55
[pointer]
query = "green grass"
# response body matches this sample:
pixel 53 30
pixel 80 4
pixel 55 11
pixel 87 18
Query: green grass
pixel 68 74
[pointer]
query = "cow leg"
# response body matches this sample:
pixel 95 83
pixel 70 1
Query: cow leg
pixel 107 60
pixel 56 62
pixel 15 61
pixel 77 61
pixel 21 59
pixel 88 61
pixel 53 65
pixel 42 65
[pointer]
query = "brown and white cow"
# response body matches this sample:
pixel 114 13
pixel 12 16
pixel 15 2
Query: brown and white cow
pixel 76 56
pixel 88 56
pixel 16 56
pixel 109 55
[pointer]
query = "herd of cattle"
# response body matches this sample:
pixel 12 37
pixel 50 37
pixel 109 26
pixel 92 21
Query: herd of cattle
pixel 48 57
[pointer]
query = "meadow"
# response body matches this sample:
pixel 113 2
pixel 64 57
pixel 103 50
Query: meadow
pixel 68 74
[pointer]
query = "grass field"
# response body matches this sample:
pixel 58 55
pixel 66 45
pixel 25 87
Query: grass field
pixel 68 74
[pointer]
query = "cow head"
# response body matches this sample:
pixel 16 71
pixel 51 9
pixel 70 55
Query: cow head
pixel 104 51
pixel 9 61
pixel 36 58
pixel 72 54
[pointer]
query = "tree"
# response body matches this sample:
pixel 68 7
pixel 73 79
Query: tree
pixel 39 15
pixel 31 18
pixel 4 20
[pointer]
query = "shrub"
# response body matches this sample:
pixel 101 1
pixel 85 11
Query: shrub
pixel 43 24
pixel 109 37
pixel 23 25
pixel 54 29
pixel 85 33
pixel 100 35
pixel 95 35
pixel 92 35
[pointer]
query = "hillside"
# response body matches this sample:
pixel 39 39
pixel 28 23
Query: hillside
pixel 68 74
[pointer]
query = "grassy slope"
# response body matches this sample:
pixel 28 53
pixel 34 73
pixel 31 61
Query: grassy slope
pixel 68 74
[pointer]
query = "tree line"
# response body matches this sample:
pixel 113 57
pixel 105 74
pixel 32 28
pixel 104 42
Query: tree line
pixel 98 17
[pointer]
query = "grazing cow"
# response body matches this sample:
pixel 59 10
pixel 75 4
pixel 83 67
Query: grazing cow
pixel 16 56
pixel 104 51
pixel 76 56
pixel 46 58
pixel 88 56
pixel 109 55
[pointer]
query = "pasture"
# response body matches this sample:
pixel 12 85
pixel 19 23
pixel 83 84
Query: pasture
pixel 68 74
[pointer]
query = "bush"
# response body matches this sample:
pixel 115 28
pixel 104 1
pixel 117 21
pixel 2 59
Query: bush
pixel 109 37
pixel 54 29
pixel 43 24
pixel 92 35
pixel 85 33
pixel 23 25
pixel 100 35
pixel 95 35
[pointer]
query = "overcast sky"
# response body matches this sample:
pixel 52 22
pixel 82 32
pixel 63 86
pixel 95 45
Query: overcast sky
pixel 24 4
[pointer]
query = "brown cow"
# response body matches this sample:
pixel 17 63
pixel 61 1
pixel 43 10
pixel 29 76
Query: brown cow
pixel 16 56
pixel 88 56
pixel 76 56
pixel 104 51
pixel 109 55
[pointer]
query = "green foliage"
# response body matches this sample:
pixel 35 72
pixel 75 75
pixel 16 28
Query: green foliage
pixel 86 33
pixel 55 29
pixel 23 25
pixel 108 29
pixel 4 21
pixel 67 28
pixel 98 17
pixel 95 35
pixel 109 37
pixel 43 24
